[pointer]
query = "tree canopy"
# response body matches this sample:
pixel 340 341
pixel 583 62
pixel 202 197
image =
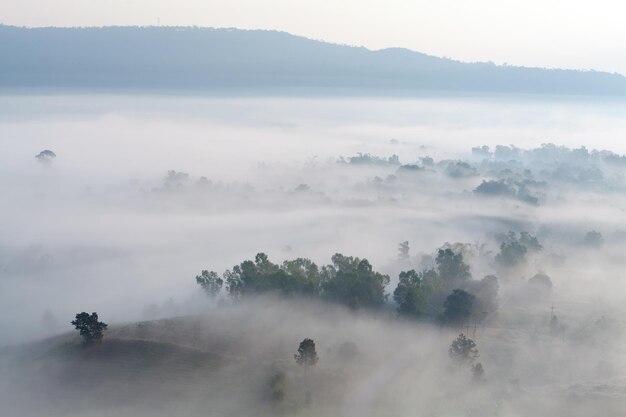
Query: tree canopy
pixel 90 328
pixel 451 266
pixel 347 280
pixel 410 295
pixel 513 249
pixel 458 308
pixel 210 282
pixel 306 355
pixel 353 282
pixel 447 292
pixel 463 350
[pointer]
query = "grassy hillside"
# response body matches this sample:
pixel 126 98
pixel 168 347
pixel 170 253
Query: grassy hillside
pixel 238 361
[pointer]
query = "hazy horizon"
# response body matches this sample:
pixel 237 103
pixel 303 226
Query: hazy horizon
pixel 576 35
pixel 459 58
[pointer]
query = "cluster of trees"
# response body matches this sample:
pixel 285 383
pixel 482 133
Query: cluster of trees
pixel 510 188
pixel 368 159
pixel 514 247
pixel 347 280
pixel 449 285
pixel 446 293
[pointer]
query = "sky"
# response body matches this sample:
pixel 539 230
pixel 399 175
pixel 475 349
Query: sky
pixel 578 34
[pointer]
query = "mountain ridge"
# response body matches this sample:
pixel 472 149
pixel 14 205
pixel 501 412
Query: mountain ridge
pixel 229 59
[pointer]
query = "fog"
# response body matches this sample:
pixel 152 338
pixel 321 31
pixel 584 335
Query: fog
pixel 144 192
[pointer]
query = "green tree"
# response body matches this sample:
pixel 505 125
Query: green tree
pixel 234 283
pixel 463 350
pixel 90 328
pixel 451 266
pixel 304 274
pixel 458 308
pixel 409 294
pixel 353 282
pixel 296 277
pixel 210 282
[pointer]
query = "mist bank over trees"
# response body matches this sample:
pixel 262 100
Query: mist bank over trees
pixel 226 61
pixel 120 209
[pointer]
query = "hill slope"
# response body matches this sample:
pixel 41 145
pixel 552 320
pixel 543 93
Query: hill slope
pixel 230 60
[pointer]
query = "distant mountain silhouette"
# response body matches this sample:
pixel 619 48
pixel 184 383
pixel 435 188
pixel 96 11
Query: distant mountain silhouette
pixel 255 61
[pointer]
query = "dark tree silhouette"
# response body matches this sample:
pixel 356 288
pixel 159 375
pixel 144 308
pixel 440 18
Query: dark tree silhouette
pixel 46 156
pixel 306 356
pixel 458 308
pixel 90 328
pixel 409 294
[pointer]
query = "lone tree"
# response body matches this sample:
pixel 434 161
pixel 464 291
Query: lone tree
pixel 403 251
pixel 478 373
pixel 306 356
pixel 90 328
pixel 46 156
pixel 463 350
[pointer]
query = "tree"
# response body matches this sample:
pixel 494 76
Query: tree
pixel 304 276
pixel 511 253
pixel 451 266
pixel 478 373
pixel 90 328
pixel 353 282
pixel 513 249
pixel 210 282
pixel 46 156
pixel 539 287
pixel 409 294
pixel 278 383
pixel 306 356
pixel 486 293
pixel 403 251
pixel 458 308
pixel 530 242
pixel 463 350
pixel 300 276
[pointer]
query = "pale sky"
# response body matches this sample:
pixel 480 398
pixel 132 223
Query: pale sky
pixel 547 33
